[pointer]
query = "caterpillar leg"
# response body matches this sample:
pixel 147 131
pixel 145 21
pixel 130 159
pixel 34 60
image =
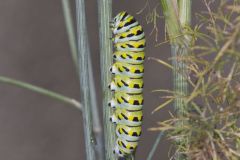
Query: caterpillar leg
pixel 117 151
pixel 112 86
pixel 111 24
pixel 113 70
pixel 113 119
pixel 111 38
pixel 112 103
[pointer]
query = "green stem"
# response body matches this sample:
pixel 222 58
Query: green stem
pixel 154 148
pixel 84 56
pixel 73 46
pixel 70 30
pixel 97 126
pixel 41 91
pixel 105 14
pixel 178 17
pixel 185 12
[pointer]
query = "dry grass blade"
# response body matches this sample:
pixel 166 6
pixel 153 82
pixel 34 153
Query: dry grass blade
pixel 162 62
pixel 162 105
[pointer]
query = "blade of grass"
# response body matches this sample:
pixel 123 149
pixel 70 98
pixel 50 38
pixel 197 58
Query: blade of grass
pixel 41 91
pixel 162 105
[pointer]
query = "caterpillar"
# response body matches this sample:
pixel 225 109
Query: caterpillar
pixel 127 83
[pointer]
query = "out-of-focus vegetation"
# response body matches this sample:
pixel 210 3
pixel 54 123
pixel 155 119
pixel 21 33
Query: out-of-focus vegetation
pixel 211 121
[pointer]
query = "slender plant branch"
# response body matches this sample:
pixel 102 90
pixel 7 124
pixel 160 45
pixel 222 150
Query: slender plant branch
pixel 70 30
pixel 97 128
pixel 155 145
pixel 41 91
pixel 83 54
pixel 105 14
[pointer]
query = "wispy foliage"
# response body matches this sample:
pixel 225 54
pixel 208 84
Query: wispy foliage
pixel 213 65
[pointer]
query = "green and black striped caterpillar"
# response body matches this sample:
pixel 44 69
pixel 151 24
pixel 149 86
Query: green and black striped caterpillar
pixel 127 84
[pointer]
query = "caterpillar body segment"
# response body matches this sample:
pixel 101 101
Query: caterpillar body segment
pixel 129 57
pixel 120 120
pixel 126 69
pixel 121 87
pixel 130 133
pixel 125 99
pixel 129 145
pixel 127 83
pixel 116 104
pixel 124 146
pixel 133 34
pixel 135 46
pixel 127 117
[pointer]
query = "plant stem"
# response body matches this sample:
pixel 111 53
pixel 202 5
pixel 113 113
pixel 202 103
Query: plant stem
pixel 70 30
pixel 178 16
pixel 41 91
pixel 105 14
pixel 185 12
pixel 97 128
pixel 185 22
pixel 84 52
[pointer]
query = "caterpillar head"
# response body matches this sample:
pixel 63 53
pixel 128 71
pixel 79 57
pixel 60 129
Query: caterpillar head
pixel 119 17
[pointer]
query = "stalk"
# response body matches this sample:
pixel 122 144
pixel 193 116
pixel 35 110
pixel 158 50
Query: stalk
pixel 177 17
pixel 155 145
pixel 185 11
pixel 41 91
pixel 70 30
pixel 97 128
pixel 83 55
pixel 105 14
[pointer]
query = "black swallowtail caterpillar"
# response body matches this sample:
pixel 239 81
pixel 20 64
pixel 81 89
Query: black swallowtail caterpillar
pixel 127 84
